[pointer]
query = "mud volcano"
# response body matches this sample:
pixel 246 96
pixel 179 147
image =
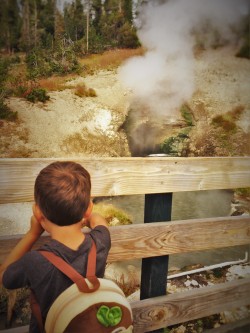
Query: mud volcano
pixel 146 132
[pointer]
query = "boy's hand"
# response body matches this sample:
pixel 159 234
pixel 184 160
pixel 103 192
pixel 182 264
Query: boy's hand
pixel 35 227
pixel 24 245
pixel 96 219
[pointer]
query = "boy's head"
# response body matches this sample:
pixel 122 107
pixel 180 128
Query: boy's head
pixel 62 192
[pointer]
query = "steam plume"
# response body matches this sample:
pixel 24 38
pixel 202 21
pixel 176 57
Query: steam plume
pixel 163 78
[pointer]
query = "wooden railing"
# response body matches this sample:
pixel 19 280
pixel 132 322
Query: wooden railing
pixel 153 176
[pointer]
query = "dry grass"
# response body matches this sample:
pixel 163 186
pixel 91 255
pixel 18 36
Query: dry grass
pixel 82 91
pixel 95 144
pixel 54 83
pixel 109 59
pixel 228 120
pixel 14 138
pixel 225 139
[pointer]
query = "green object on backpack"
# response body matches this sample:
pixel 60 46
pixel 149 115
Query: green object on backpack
pixel 109 316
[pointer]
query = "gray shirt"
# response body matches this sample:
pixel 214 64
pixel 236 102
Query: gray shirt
pixel 46 281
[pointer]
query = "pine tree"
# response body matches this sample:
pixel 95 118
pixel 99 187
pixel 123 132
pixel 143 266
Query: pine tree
pixel 10 25
pixel 128 10
pixel 74 20
pixel 98 9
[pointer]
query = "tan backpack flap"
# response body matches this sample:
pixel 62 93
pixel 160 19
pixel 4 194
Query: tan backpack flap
pixel 73 309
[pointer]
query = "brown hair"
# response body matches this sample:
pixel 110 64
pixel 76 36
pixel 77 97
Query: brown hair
pixel 62 192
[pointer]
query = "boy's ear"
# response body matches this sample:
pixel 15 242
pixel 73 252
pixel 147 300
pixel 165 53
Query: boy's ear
pixel 37 212
pixel 89 210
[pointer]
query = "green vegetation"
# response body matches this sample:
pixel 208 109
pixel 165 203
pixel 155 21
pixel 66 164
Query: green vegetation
pixel 178 145
pixel 28 89
pixel 87 27
pixel 6 113
pixel 187 115
pixel 113 215
pixel 54 42
pixel 44 63
pixel 243 192
pixel 37 95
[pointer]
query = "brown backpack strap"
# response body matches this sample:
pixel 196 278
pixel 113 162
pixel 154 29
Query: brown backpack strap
pixel 35 308
pixel 71 273
pixel 91 266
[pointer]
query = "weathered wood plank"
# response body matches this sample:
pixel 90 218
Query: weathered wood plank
pixel 163 238
pixel 127 176
pixel 164 311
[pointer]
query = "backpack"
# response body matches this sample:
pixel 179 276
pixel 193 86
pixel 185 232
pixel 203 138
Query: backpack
pixel 89 305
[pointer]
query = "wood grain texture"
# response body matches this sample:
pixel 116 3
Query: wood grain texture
pixel 128 176
pixel 163 238
pixel 162 311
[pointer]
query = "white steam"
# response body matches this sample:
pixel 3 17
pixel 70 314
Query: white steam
pixel 163 78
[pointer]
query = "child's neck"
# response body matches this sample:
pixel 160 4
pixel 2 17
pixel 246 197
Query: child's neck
pixel 71 236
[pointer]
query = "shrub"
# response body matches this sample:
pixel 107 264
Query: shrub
pixel 43 63
pixel 227 120
pixel 226 124
pixel 92 92
pixel 243 192
pixel 169 146
pixel 6 113
pixel 82 91
pixel 37 94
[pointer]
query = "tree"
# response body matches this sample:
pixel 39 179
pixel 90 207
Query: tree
pixel 98 11
pixel 10 25
pixel 74 20
pixel 59 25
pixel 128 11
pixel 25 32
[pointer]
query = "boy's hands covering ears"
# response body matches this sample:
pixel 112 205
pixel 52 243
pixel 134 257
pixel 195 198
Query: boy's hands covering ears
pixel 24 245
pixel 94 220
pixel 35 227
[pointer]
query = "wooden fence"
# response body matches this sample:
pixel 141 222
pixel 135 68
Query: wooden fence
pixel 157 178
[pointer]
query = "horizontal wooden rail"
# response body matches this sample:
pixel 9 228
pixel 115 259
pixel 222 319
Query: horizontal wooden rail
pixel 163 311
pixel 127 176
pixel 157 312
pixel 161 238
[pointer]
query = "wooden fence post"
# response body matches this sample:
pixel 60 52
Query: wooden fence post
pixel 158 208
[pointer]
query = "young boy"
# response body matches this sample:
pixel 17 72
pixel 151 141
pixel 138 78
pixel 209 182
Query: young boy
pixel 62 207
